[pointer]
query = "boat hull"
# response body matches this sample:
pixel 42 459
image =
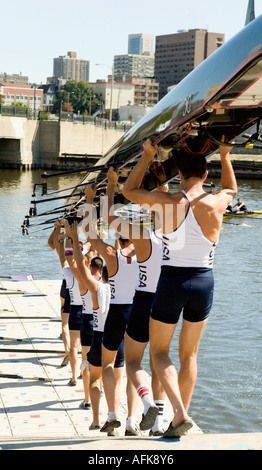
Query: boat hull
pixel 222 96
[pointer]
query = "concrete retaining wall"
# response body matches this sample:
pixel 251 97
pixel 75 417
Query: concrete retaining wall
pixel 38 144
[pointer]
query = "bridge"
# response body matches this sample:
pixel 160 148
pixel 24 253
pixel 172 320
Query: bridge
pixel 32 144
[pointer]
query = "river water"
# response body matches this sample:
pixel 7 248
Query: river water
pixel 227 397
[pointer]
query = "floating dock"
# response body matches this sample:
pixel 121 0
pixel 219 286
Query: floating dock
pixel 45 414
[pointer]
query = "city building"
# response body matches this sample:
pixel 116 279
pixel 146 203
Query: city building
pixel 133 113
pixel 13 78
pixel 70 67
pixel 176 55
pixel 129 66
pixel 140 43
pixel 24 94
pixel 146 91
pixel 122 94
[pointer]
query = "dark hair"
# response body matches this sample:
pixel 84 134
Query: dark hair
pixel 97 263
pixel 121 239
pixel 105 274
pixel 191 165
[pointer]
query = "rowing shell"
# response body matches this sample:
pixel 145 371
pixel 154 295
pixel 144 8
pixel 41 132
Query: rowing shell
pixel 222 96
pixel 242 214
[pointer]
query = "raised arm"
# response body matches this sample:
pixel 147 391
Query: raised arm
pixel 58 241
pixel 119 224
pixel 107 252
pixel 132 189
pixel 85 273
pixel 228 179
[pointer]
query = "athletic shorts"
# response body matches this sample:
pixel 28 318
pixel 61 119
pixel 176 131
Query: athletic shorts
pixel 63 289
pixel 86 331
pixel 66 306
pixel 75 317
pixel 115 325
pixel 187 289
pixel 138 325
pixel 94 356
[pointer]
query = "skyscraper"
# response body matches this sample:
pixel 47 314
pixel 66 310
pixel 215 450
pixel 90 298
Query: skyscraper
pixel 71 68
pixel 140 44
pixel 176 55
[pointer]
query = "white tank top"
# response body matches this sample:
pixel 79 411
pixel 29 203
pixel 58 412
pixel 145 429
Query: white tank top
pixel 123 283
pixel 72 285
pixel 149 270
pixel 187 246
pixel 87 303
pixel 100 314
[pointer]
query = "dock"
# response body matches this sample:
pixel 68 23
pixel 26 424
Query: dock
pixel 45 414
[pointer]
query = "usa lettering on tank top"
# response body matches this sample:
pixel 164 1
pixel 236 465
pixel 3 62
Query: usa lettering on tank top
pixel 149 270
pixel 100 314
pixel 123 283
pixel 187 246
pixel 87 303
pixel 73 287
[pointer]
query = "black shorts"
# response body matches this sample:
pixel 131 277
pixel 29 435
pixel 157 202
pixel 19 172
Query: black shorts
pixel 66 306
pixel 115 325
pixel 94 356
pixel 138 325
pixel 75 317
pixel 63 289
pixel 187 289
pixel 86 331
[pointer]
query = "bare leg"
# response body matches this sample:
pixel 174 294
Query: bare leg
pixel 86 374
pixel 65 332
pixel 189 340
pixel 73 355
pixel 95 392
pixel 109 378
pixel 160 338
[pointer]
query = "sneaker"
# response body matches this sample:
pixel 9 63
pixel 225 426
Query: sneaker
pixel 85 405
pixel 72 383
pixel 132 432
pixel 156 433
pixel 109 426
pixel 65 361
pixel 148 419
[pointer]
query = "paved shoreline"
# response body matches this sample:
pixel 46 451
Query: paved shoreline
pixel 46 415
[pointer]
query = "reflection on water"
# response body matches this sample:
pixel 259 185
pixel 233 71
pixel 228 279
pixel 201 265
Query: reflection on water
pixel 227 396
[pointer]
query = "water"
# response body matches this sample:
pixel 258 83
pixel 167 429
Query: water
pixel 227 397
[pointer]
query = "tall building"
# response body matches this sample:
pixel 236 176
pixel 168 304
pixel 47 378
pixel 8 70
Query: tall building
pixel 140 43
pixel 133 65
pixel 176 55
pixel 71 68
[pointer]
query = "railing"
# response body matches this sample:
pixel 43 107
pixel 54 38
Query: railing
pixel 17 111
pixel 84 119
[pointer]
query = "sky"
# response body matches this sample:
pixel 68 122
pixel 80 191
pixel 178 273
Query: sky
pixel 34 33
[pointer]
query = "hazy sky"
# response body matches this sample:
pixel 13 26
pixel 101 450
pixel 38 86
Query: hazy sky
pixel 33 33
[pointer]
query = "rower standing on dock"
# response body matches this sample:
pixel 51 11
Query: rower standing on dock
pixel 64 296
pixel 191 221
pixel 122 273
pixel 148 247
pixel 96 281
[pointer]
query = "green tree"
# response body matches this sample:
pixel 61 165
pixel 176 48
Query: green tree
pixel 78 96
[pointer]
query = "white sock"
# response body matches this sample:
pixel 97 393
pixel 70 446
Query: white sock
pixel 111 416
pixel 146 397
pixel 158 426
pixel 130 423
